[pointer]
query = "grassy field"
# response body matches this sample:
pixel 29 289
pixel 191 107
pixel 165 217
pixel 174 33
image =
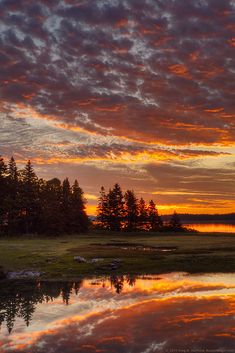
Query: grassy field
pixel 138 254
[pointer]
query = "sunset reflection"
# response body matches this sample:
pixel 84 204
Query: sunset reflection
pixel 149 314
pixel 214 228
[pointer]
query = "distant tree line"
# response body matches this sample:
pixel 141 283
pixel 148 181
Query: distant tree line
pixel 118 211
pixel 32 205
pixel 187 218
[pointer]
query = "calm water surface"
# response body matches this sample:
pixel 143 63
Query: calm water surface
pixel 168 313
pixel 213 227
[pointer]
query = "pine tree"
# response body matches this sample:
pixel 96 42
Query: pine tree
pixel 103 209
pixel 30 178
pixel 3 193
pixel 154 219
pixel 116 208
pixel 66 204
pixel 131 210
pixel 78 218
pixel 51 205
pixel 13 173
pixel 30 199
pixel 175 223
pixel 3 168
pixel 143 214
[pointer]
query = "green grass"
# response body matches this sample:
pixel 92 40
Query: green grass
pixel 202 252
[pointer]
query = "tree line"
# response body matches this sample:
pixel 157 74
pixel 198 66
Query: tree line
pixel 32 205
pixel 123 211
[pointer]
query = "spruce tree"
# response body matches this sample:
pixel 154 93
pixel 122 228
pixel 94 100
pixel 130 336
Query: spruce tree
pixel 30 199
pixel 154 220
pixel 103 209
pixel 142 214
pixel 13 173
pixel 175 223
pixel 51 205
pixel 66 204
pixel 131 210
pixel 116 208
pixel 78 218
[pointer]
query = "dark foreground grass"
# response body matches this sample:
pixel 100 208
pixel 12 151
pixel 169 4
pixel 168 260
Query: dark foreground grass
pixel 139 254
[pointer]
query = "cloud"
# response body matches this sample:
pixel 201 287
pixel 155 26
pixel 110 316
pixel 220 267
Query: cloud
pixel 107 331
pixel 140 81
pixel 100 59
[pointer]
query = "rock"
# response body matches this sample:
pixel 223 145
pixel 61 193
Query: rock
pixel 117 260
pixel 95 260
pixel 24 274
pixel 80 259
pixel 113 265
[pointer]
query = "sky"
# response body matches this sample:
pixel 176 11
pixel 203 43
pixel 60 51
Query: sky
pixel 139 92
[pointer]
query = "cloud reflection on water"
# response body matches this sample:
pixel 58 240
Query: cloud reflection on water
pixel 149 314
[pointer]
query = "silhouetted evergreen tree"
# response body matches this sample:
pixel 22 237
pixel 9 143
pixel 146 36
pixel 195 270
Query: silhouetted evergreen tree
pixel 66 204
pixel 154 220
pixel 51 205
pixel 78 218
pixel 131 210
pixel 175 223
pixel 30 199
pixel 116 208
pixel 103 209
pixel 143 214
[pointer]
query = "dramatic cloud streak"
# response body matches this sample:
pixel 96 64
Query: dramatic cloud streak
pixel 135 82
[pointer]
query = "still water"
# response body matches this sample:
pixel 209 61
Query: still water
pixel 213 227
pixel 166 313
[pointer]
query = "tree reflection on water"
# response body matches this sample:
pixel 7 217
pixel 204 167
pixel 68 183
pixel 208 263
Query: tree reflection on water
pixel 20 299
pixel 119 314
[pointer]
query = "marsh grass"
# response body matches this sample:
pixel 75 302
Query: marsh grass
pixel 201 252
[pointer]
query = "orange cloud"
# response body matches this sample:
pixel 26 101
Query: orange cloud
pixel 180 70
pixel 214 110
pixel 122 23
pixel 113 109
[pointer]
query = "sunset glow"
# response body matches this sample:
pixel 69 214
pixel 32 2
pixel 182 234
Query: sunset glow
pixel 135 92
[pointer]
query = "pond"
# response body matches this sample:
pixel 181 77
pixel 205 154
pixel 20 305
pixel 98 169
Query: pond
pixel 213 227
pixel 174 312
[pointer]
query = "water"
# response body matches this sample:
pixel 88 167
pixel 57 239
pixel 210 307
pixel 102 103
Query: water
pixel 213 227
pixel 166 313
